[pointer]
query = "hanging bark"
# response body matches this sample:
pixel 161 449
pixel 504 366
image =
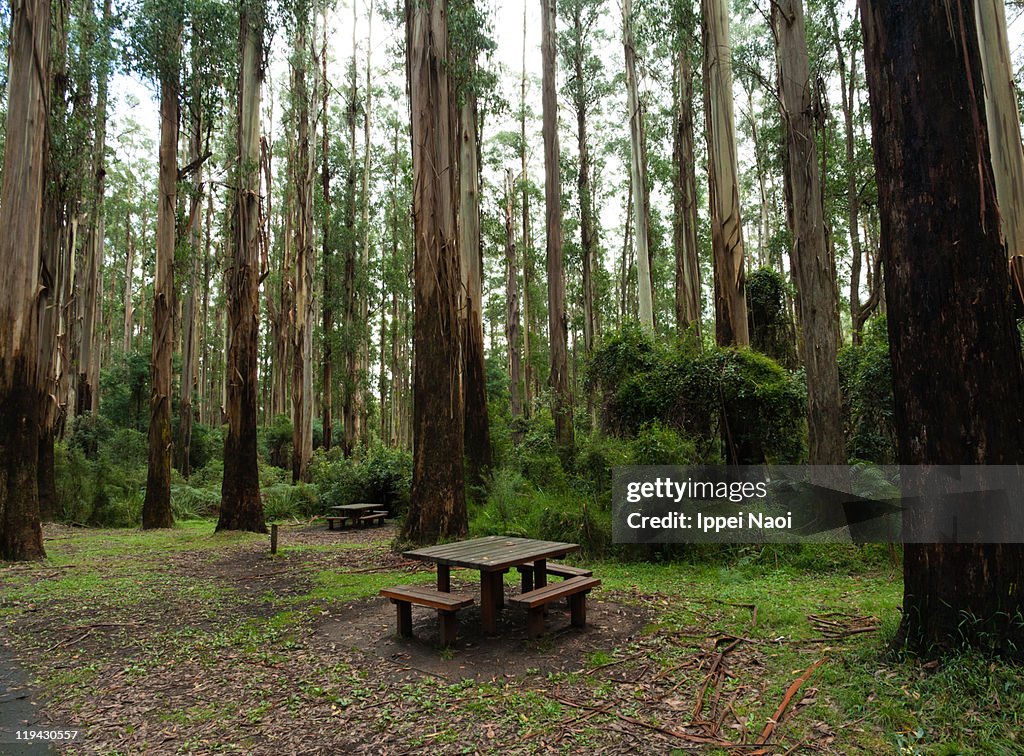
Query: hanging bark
pixel 638 172
pixel 438 506
pixel 561 408
pixel 684 220
pixel 302 331
pixel 474 378
pixel 156 508
pixel 241 507
pixel 956 362
pixel 23 376
pixel 1003 120
pixel 726 220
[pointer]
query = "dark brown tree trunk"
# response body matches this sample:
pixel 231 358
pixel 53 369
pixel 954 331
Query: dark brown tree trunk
pixel 438 508
pixel 810 256
pixel 561 407
pixel 526 247
pixel 581 94
pixel 156 509
pixel 22 374
pixel 241 507
pixel 189 375
pixel 957 375
pixel 349 293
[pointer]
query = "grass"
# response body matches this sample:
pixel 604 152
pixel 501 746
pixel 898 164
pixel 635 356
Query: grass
pixel 861 699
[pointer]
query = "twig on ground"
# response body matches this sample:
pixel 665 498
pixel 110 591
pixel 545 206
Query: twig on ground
pixel 790 692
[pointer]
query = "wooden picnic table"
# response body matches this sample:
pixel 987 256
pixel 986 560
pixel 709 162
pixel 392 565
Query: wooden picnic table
pixel 352 512
pixel 493 556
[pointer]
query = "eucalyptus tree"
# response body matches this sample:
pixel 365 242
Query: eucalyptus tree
pixel 301 168
pixel 948 298
pixel 438 504
pixel 561 408
pixel 810 256
pixel 726 218
pixel 156 51
pixel 22 376
pixel 241 507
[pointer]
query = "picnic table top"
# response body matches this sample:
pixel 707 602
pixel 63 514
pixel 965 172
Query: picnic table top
pixel 491 552
pixel 360 507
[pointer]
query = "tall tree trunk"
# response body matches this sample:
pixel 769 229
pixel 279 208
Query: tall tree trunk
pixel 526 248
pixel 474 378
pixel 581 104
pixel 189 374
pixel 956 360
pixel 302 333
pixel 812 261
pixel 327 240
pixel 204 413
pixel 350 414
pixel 512 300
pixel 726 219
pixel 23 376
pixel 561 408
pixel 1003 118
pixel 156 509
pixel 241 507
pixel 362 406
pixel 438 508
pixel 684 221
pixel 129 276
pixel 638 171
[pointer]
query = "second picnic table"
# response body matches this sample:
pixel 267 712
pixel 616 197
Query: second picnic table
pixel 493 556
pixel 350 513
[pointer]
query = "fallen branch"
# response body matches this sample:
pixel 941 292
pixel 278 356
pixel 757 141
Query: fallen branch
pixel 790 692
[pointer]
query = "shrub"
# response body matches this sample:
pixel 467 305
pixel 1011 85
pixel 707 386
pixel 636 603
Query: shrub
pixel 771 329
pixel 276 442
pixel 385 477
pixel 657 444
pixel 865 379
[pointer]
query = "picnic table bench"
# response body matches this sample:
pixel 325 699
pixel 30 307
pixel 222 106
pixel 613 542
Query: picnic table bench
pixel 446 604
pixel 575 589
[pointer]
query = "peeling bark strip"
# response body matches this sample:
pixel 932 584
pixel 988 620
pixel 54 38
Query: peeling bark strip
pixel 957 374
pixel 22 373
pixel 241 507
pixel 810 257
pixel 726 221
pixel 438 507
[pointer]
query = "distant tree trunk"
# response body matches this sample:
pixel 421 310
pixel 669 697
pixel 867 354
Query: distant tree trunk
pixel 812 262
pixel 581 93
pixel 561 408
pixel 129 276
pixel 156 509
pixel 726 218
pixel 512 300
pixel 438 507
pixel 1003 118
pixel 23 376
pixel 638 171
pixel 349 293
pixel 327 240
pixel 204 413
pixel 241 507
pixel 527 260
pixel 474 378
pixel 956 361
pixel 684 221
pixel 362 405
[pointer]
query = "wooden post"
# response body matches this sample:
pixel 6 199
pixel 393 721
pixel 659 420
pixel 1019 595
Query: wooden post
pixel 273 539
pixel 448 627
pixel 578 609
pixel 444 578
pixel 404 618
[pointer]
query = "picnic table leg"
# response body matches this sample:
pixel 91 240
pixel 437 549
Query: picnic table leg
pixel 488 603
pixel 540 573
pixel 499 589
pixel 444 578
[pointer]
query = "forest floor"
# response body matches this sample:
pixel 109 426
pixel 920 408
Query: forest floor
pixel 186 641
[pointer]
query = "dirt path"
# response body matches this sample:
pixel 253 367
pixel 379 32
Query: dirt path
pixel 17 709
